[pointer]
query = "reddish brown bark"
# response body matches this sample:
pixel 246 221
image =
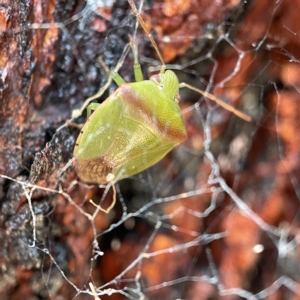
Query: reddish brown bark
pixel 47 72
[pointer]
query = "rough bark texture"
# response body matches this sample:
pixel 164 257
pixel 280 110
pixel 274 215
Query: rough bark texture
pixel 47 71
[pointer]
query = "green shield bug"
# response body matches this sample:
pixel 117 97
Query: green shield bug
pixel 136 126
pixel 131 130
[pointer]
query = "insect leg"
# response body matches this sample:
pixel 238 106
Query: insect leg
pixel 111 205
pixel 92 107
pixel 112 73
pixel 138 74
pixel 142 23
pixel 217 100
pixel 78 112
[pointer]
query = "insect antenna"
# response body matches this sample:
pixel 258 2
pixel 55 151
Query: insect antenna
pixel 218 101
pixel 150 36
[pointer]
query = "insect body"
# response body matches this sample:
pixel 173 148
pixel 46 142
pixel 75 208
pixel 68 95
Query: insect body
pixel 131 130
pixel 136 126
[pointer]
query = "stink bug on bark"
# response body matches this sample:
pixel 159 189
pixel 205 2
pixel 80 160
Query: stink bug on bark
pixel 131 130
pixel 136 126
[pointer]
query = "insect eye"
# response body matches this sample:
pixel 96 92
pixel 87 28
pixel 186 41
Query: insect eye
pixel 158 80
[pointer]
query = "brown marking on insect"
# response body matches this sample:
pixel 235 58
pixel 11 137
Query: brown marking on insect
pixel 93 170
pixel 132 99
